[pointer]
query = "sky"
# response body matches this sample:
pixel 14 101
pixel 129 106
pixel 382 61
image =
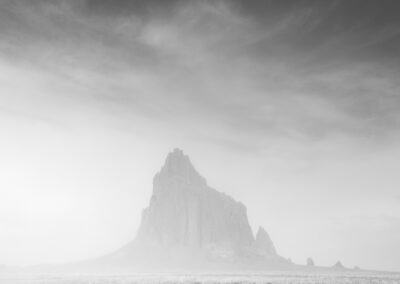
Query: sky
pixel 291 107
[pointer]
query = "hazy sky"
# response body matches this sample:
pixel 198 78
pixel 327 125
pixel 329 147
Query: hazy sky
pixel 291 107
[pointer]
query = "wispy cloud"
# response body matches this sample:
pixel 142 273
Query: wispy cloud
pixel 263 70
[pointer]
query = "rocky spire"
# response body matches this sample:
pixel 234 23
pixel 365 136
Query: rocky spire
pixel 186 220
pixel 263 244
pixel 184 211
pixel 310 262
pixel 178 166
pixel 338 265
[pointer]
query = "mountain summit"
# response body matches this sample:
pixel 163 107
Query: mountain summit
pixel 187 220
pixel 185 212
pixel 177 165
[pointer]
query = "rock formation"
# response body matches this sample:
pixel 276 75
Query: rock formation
pixel 188 219
pixel 338 265
pixel 263 244
pixel 184 211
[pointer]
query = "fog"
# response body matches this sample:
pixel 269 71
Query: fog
pixel 291 108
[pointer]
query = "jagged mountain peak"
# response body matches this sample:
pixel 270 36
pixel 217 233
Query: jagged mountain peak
pixel 178 168
pixel 177 155
pixel 184 210
pixel 263 243
pixel 187 219
pixel 177 162
pixel 261 232
pixel 339 265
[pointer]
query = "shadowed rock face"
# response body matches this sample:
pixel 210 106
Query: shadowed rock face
pixel 185 211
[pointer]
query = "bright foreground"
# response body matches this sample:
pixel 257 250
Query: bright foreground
pixel 272 278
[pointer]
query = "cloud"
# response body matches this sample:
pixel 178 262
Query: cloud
pixel 263 70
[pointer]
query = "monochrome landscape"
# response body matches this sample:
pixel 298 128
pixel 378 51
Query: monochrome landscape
pixel 205 234
pixel 199 141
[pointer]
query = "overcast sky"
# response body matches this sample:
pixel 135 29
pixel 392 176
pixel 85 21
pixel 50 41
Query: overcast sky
pixel 291 107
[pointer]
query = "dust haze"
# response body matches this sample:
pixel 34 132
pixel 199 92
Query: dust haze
pixel 220 136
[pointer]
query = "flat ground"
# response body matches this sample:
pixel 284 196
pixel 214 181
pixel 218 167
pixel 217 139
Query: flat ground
pixel 245 278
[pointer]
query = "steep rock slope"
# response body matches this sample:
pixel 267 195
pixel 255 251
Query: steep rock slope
pixel 188 220
pixel 185 211
pixel 263 244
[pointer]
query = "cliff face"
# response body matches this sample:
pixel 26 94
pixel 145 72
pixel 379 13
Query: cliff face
pixel 189 222
pixel 185 211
